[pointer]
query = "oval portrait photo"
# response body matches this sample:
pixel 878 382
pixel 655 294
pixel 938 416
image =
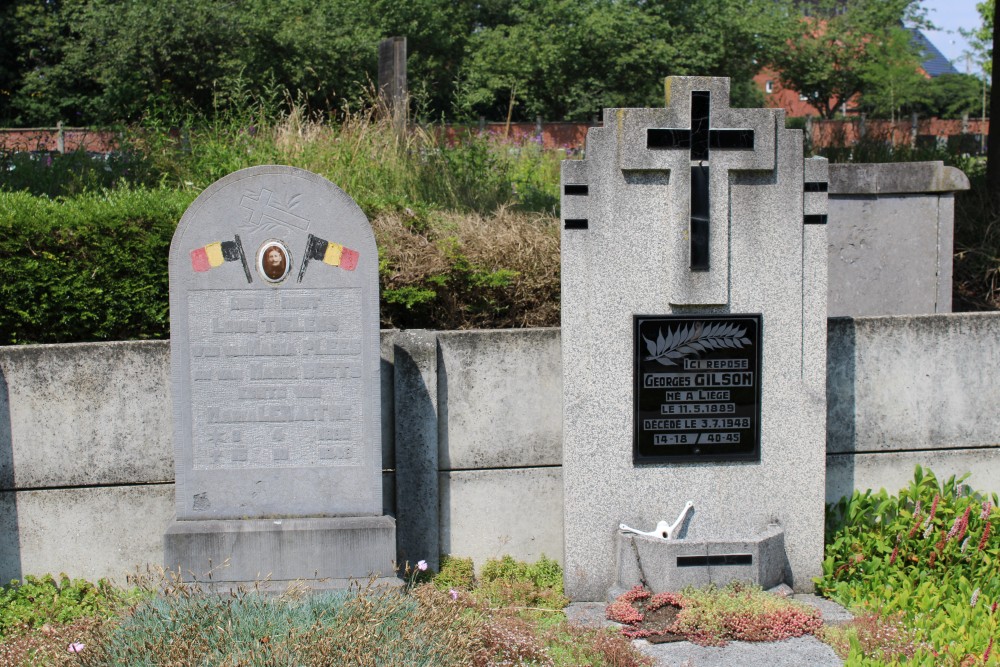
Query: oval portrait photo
pixel 274 261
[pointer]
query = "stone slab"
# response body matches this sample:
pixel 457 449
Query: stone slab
pixel 490 513
pixel 794 652
pixel 891 236
pixel 911 383
pixel 87 413
pixel 501 399
pixel 416 437
pixel 87 533
pixel 890 254
pixel 275 364
pixel 281 550
pixel 833 613
pixel 895 178
pixel 116 419
pixel 388 397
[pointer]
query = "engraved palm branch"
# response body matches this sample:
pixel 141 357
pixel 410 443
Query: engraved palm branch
pixel 694 340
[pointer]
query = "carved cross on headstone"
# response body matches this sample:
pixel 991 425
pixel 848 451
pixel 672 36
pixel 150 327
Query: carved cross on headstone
pixel 701 139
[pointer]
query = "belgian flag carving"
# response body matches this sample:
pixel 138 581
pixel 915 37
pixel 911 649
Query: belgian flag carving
pixel 217 254
pixel 333 254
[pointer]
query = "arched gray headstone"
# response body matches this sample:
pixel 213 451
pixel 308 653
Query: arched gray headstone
pixel 275 377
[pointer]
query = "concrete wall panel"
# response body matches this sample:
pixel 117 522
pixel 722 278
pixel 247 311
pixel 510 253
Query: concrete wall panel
pixel 86 533
pixel 893 471
pixel 501 402
pixel 907 383
pixel 84 428
pixel 90 413
pixel 489 513
pixel 891 238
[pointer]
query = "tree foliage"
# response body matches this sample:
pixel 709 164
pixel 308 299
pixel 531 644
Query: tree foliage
pixel 109 61
pixel 954 95
pixel 106 61
pixel 842 50
pixel 569 59
pixel 981 39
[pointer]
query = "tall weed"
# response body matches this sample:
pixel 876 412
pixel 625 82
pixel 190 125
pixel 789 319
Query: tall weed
pixel 379 165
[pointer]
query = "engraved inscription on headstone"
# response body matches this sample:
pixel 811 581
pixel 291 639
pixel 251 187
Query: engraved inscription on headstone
pixel 697 388
pixel 287 397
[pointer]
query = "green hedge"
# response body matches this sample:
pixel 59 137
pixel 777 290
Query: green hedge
pixel 94 267
pixel 90 267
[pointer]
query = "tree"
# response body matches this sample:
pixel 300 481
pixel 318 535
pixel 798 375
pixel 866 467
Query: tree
pixel 562 59
pixel 107 61
pixel 952 96
pixel 565 59
pixel 847 49
pixel 50 85
pixel 895 84
pixel 981 39
pixel 10 74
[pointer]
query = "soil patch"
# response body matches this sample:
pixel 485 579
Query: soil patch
pixel 657 621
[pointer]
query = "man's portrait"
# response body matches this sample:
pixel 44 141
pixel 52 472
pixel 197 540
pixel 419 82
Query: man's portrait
pixel 273 262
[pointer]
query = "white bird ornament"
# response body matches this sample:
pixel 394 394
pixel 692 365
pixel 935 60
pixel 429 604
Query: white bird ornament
pixel 663 530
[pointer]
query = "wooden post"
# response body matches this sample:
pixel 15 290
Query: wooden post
pixel 510 110
pixel 392 86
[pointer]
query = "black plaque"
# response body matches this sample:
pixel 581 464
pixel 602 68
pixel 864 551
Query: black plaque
pixel 697 388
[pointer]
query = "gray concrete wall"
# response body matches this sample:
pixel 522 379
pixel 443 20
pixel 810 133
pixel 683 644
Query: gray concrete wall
pixel 86 470
pixel 891 238
pixel 909 390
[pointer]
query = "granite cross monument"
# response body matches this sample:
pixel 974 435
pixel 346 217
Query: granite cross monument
pixel 694 348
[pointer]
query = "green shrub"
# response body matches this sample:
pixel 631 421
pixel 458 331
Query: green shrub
pixel 384 170
pixel 366 626
pixel 91 267
pixel 544 573
pixel 168 624
pixel 929 556
pixel 509 582
pixel 57 175
pixel 739 612
pixel 84 242
pixel 714 616
pixel 456 573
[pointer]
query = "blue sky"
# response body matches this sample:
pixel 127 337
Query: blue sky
pixel 950 15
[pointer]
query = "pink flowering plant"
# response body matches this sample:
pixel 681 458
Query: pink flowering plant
pixel 926 560
pixel 714 616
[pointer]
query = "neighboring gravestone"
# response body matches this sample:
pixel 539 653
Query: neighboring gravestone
pixel 891 238
pixel 274 349
pixel 694 346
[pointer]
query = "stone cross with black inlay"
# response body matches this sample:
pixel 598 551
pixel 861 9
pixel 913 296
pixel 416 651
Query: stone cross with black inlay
pixel 701 139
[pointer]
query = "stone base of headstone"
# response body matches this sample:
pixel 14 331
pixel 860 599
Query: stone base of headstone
pixel 321 553
pixel 671 565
